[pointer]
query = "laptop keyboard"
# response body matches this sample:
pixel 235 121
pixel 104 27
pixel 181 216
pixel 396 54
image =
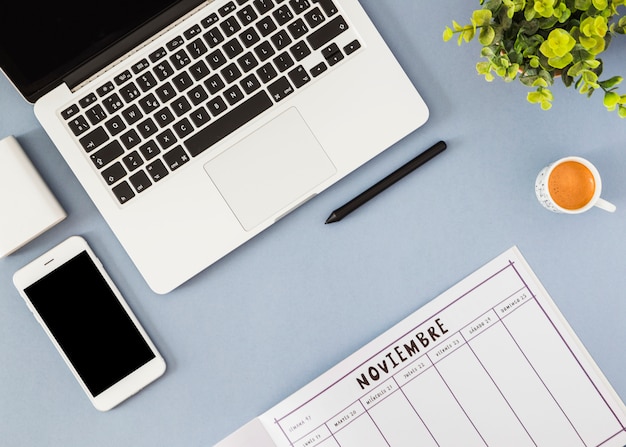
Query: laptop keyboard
pixel 141 124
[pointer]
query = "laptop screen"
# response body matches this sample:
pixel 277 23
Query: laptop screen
pixel 42 41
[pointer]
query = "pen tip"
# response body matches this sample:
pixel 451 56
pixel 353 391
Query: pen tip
pixel 332 218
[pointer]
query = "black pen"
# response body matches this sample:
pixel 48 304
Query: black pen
pixel 385 183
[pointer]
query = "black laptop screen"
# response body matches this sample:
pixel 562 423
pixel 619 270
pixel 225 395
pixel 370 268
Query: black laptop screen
pixel 42 41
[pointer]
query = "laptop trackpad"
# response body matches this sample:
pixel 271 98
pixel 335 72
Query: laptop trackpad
pixel 270 169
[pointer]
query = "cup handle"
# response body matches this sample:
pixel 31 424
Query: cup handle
pixel 604 205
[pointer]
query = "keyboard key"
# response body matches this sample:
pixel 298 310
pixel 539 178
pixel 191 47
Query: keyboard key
pixel 182 81
pixel 232 48
pixel 163 70
pixel 250 83
pixel 105 89
pixel 200 117
pixel 180 59
pixel 148 103
pixel 249 37
pixel 107 154
pixel 210 20
pixel 280 89
pixel 197 48
pixel 114 173
pixel 314 17
pixel 230 26
pixel 132 114
pixel 112 103
pixel 132 161
pixel 199 70
pixel 300 50
pixel 197 95
pixel 146 81
pixel 192 32
pixel 166 139
pixel 70 112
pixel 123 192
pixel 352 47
pixel 216 59
pixel 281 39
pixel 123 77
pixel 318 69
pixel 140 181
pixel 147 128
pixel 297 29
pixel 247 62
pixel 213 37
pixel 94 139
pixel 264 51
pixel 173 44
pixel 140 66
pixel 96 114
pixel 299 76
pixel 228 123
pixel 115 125
pixel 157 170
pixel 130 139
pixel 328 6
pixel 158 54
pixel 230 73
pixel 166 92
pixel 299 6
pixel 267 72
pixel 129 92
pixel 149 150
pixel 214 84
pixel 266 26
pixel 283 61
pixel 227 9
pixel 216 106
pixel 183 128
pixel 282 15
pixel 176 158
pixel 247 15
pixel 87 100
pixel 163 117
pixel 233 94
pixel 327 32
pixel 263 6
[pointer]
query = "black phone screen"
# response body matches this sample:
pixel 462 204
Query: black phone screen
pixel 89 323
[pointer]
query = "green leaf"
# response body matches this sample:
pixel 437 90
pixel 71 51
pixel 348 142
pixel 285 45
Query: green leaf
pixel 611 100
pixel 561 62
pixel 610 83
pixel 447 34
pixel 486 35
pixel 481 17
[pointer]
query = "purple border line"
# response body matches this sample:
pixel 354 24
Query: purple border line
pixel 392 343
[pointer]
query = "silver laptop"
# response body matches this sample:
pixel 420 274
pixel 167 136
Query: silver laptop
pixel 195 125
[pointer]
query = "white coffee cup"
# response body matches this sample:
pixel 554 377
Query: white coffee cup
pixel 571 185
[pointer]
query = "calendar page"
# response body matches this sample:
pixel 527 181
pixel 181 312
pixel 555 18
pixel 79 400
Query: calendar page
pixel 490 362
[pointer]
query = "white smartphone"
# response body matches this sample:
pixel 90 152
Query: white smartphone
pixel 89 322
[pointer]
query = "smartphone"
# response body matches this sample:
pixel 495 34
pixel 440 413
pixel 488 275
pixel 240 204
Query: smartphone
pixel 89 323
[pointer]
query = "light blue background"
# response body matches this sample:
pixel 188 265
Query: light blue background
pixel 294 301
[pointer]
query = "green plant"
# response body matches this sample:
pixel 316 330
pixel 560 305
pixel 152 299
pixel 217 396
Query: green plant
pixel 538 41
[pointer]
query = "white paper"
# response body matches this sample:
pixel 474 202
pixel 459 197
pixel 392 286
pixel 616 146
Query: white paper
pixel 490 362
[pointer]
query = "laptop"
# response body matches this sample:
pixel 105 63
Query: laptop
pixel 195 125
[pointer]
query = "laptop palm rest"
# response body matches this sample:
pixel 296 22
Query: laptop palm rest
pixel 270 169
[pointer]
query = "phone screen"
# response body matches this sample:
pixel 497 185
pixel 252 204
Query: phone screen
pixel 88 322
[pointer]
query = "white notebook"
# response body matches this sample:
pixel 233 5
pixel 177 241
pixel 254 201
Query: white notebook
pixel 490 362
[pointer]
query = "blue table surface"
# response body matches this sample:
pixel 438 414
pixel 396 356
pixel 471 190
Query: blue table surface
pixel 282 309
